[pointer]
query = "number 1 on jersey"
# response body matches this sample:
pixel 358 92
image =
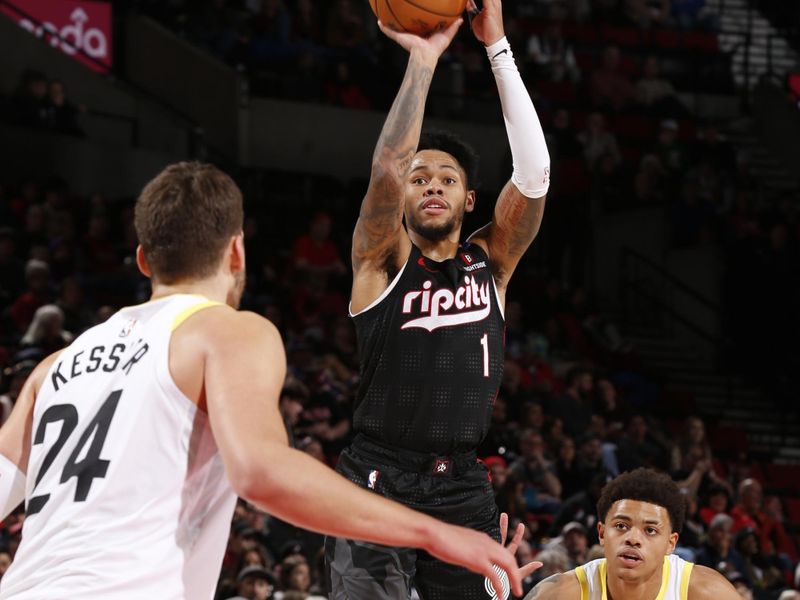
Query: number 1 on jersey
pixel 485 344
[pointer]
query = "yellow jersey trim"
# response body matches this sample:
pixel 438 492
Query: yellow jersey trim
pixel 188 312
pixel 687 573
pixel 665 570
pixel 580 573
pixel 603 583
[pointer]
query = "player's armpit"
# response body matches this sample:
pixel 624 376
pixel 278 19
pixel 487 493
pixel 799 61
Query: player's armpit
pixel 708 584
pixel 557 587
pixel 515 223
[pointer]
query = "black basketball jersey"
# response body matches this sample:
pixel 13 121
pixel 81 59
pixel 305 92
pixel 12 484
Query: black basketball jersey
pixel 432 353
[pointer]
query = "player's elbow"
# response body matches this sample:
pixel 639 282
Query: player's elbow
pixel 534 180
pixel 248 480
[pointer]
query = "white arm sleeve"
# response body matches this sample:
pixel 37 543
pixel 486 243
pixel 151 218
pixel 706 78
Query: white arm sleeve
pixel 525 136
pixel 12 487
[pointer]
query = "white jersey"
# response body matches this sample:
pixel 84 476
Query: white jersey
pixel 674 579
pixel 126 494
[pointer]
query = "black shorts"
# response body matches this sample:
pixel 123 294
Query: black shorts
pixel 454 489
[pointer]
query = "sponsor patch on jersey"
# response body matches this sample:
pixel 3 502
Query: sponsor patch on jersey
pixel 506 585
pixel 468 303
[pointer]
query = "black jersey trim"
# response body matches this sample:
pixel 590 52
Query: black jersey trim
pixel 497 297
pixel 380 298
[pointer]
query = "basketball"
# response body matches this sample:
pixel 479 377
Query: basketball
pixel 421 17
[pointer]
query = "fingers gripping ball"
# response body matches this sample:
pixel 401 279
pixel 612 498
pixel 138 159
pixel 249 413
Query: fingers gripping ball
pixel 421 17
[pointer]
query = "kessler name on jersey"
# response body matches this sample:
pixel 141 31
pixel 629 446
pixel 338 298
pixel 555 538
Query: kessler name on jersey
pixel 107 358
pixel 446 308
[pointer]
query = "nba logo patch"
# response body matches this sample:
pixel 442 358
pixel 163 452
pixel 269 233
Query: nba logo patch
pixel 373 479
pixel 442 466
pixel 126 331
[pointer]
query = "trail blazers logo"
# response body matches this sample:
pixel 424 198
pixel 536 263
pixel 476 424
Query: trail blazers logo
pixel 503 595
pixel 469 303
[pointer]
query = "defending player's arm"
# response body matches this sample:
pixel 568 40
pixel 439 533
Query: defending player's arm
pixel 562 586
pixel 244 369
pixel 15 440
pixel 520 206
pixel 380 243
pixel 708 584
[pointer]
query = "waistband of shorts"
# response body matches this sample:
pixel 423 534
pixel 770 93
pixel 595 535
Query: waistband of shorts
pixel 411 460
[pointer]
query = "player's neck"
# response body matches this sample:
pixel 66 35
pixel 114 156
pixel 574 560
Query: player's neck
pixel 210 288
pixel 619 589
pixel 438 250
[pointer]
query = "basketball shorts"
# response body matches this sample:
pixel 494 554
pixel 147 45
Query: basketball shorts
pixel 454 489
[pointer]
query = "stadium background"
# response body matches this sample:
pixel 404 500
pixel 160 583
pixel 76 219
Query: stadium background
pixel 653 322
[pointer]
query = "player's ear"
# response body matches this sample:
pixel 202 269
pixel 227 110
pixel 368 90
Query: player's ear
pixel 673 541
pixel 601 532
pixel 236 250
pixel 469 204
pixel 141 262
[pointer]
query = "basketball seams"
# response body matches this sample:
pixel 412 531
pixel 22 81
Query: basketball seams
pixel 394 16
pixel 429 10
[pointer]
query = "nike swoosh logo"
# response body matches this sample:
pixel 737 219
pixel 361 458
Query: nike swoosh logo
pixel 503 51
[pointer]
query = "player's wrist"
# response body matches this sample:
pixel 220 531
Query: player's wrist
pixel 424 56
pixel 499 51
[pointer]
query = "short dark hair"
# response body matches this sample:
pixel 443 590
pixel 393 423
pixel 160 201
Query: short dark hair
pixel 645 485
pixel 437 139
pixel 185 217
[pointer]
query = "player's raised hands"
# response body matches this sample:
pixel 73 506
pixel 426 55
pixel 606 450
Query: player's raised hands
pixel 432 46
pixel 513 545
pixel 487 23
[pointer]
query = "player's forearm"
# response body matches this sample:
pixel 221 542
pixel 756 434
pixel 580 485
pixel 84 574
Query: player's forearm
pixel 400 134
pixel 525 136
pixel 302 491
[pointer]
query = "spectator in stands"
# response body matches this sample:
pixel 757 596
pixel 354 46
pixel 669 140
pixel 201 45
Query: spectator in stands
pixel 717 501
pixel 291 402
pixel 649 181
pixel 610 88
pixel 718 552
pixel 46 332
pixel 15 376
pixel 765 572
pixel 542 488
pixel 77 316
pixel 636 448
pixel 37 279
pixel 655 95
pixel 342 90
pixel 575 406
pixel 314 252
pixel 345 28
pixel 582 507
pixel 29 103
pixel 669 149
pixel 572 543
pixel 61 114
pixel 254 583
pixel 648 13
pixel 749 513
pixel 551 56
pixel 590 457
pixel 567 469
pixel 270 30
pixel 598 142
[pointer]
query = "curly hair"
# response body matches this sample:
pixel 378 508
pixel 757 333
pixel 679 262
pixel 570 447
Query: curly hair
pixel 437 139
pixel 645 485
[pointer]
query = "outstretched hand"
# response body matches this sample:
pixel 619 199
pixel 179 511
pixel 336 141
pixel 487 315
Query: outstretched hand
pixel 479 553
pixel 513 545
pixel 487 23
pixel 432 46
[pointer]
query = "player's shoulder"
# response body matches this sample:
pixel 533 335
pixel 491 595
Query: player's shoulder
pixel 708 584
pixel 222 325
pixel 560 585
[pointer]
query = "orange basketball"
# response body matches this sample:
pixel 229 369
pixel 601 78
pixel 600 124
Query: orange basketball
pixel 422 17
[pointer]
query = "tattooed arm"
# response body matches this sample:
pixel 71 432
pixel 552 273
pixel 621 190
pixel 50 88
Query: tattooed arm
pixel 562 586
pixel 380 243
pixel 520 206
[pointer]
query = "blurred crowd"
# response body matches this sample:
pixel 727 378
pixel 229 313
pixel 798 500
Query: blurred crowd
pixel 576 405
